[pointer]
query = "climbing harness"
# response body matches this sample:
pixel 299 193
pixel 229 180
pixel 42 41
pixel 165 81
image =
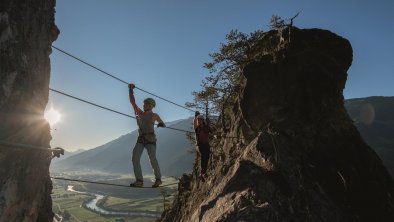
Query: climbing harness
pixel 143 140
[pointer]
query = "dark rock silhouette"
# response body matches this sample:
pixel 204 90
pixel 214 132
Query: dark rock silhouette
pixel 27 30
pixel 302 158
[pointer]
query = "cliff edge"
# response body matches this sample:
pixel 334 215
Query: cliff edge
pixel 300 157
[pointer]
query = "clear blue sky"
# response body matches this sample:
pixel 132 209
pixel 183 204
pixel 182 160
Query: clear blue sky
pixel 161 46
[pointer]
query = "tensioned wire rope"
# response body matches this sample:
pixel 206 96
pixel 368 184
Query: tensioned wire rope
pixel 8 143
pixel 22 145
pixel 2 142
pixel 117 78
pixel 45 148
pixel 108 184
pixel 124 114
pixel 108 109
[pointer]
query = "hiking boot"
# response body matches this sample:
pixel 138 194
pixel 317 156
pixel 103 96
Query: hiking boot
pixel 157 183
pixel 137 183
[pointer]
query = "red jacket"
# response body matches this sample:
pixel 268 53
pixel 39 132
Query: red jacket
pixel 202 134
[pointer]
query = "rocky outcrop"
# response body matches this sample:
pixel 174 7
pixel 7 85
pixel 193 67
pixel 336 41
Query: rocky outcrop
pixel 302 159
pixel 27 30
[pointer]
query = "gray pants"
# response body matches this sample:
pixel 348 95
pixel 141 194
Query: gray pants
pixel 137 152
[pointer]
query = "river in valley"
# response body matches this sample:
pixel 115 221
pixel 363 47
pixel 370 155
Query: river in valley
pixel 92 205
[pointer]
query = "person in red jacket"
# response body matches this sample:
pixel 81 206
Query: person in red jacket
pixel 202 130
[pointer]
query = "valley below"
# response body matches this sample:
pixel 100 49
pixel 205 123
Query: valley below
pixel 78 201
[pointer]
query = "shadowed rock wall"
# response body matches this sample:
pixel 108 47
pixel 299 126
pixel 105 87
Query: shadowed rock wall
pixel 27 30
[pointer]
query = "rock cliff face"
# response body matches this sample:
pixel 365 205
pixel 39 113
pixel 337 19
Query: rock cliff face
pixel 27 30
pixel 302 158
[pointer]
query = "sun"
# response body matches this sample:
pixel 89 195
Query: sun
pixel 52 116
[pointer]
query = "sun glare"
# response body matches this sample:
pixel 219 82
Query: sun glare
pixel 52 116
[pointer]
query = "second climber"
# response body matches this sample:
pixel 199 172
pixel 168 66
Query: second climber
pixel 202 130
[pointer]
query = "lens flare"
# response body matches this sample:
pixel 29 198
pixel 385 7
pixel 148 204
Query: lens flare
pixel 52 116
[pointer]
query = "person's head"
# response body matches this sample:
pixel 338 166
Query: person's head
pixel 149 104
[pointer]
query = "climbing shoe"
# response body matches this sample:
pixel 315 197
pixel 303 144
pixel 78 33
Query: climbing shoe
pixel 157 183
pixel 137 183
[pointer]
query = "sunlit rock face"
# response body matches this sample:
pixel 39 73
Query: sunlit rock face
pixel 302 158
pixel 27 30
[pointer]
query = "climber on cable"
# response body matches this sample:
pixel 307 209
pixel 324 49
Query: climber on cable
pixel 202 130
pixel 147 138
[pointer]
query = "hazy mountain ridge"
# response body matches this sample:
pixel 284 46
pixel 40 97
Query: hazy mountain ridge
pixel 115 156
pixel 374 120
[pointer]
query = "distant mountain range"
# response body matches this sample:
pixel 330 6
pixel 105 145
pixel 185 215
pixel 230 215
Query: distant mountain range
pixel 373 116
pixel 374 119
pixel 173 153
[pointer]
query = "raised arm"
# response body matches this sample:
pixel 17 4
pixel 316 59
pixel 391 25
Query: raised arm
pixel 137 110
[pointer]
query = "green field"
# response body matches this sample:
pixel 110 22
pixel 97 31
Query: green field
pixel 153 204
pixel 69 204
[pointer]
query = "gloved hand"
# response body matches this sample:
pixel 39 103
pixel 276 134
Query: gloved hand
pixel 131 87
pixel 161 125
pixel 57 152
pixel 196 114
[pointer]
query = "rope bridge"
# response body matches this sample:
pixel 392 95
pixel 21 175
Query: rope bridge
pixel 107 184
pixel 45 148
